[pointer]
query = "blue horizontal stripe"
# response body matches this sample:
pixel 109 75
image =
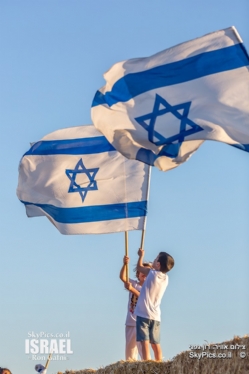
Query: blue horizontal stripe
pixel 94 213
pixel 198 66
pixel 243 147
pixel 149 158
pixel 81 146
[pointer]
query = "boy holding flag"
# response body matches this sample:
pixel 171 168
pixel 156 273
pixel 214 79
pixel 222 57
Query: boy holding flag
pixel 148 305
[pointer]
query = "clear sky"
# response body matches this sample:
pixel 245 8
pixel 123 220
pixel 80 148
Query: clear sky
pixel 53 56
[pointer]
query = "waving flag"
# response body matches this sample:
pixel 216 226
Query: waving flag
pixel 78 181
pixel 160 109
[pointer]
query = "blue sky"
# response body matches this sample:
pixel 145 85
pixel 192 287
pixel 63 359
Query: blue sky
pixel 53 56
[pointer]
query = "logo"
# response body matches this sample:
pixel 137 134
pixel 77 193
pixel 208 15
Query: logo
pixel 39 345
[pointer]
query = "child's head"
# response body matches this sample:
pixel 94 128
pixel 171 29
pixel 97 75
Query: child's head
pixel 4 371
pixel 140 276
pixel 163 262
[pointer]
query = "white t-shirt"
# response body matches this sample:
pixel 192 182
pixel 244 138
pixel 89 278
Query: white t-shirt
pixel 148 304
pixel 132 301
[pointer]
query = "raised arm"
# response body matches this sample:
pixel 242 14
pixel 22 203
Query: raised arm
pixel 140 267
pixel 122 274
pixel 130 288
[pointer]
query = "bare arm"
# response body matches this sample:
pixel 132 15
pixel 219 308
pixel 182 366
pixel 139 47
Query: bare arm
pixel 140 267
pixel 122 274
pixel 130 288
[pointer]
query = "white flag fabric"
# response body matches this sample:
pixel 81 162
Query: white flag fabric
pixel 160 109
pixel 78 181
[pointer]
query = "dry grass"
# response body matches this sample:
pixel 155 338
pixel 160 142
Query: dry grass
pixel 183 364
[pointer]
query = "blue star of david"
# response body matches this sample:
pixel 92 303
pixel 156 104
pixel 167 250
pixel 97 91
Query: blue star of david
pixel 174 109
pixel 81 169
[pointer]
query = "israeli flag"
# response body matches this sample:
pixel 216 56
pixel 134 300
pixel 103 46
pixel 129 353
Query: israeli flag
pixel 41 369
pixel 78 181
pixel 160 109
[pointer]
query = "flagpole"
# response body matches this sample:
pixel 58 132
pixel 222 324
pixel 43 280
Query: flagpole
pixel 126 253
pixel 142 239
pixel 48 361
pixel 147 199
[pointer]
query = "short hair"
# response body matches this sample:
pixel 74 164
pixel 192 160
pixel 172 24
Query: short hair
pixel 166 262
pixel 2 370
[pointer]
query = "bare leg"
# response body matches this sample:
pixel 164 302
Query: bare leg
pixel 146 350
pixel 157 352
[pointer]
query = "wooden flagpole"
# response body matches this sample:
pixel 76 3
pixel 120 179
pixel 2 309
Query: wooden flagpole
pixel 142 239
pixel 127 254
pixel 147 197
pixel 48 360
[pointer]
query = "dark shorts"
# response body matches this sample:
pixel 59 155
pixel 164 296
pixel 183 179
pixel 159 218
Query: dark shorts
pixel 148 329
